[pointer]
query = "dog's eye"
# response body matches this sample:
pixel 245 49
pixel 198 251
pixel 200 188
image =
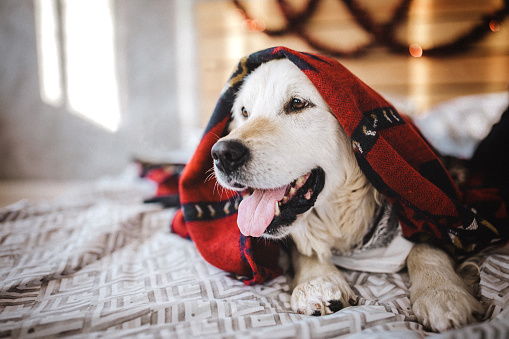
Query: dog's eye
pixel 244 112
pixel 297 103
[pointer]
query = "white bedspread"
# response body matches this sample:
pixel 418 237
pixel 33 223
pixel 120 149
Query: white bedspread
pixel 101 264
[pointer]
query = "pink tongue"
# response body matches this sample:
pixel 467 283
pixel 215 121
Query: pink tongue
pixel 257 211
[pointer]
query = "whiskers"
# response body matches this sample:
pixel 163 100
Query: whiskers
pixel 218 189
pixel 210 174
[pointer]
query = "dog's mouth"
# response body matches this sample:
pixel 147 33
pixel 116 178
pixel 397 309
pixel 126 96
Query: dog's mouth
pixel 265 211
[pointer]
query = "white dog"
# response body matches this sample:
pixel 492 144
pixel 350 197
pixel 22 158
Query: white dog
pixel 288 150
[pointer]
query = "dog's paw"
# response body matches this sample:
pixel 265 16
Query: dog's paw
pixel 323 295
pixel 446 307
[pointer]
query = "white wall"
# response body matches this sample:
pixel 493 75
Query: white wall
pixel 44 141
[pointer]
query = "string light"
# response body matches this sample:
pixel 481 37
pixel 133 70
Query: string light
pixel 382 33
pixel 415 50
pixel 253 25
pixel 494 25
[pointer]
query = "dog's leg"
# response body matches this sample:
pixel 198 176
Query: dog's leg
pixel 439 297
pixel 319 288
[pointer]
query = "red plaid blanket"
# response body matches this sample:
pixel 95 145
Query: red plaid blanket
pixel 389 150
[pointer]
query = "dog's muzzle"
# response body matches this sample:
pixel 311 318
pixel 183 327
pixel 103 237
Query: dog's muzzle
pixel 265 211
pixel 229 155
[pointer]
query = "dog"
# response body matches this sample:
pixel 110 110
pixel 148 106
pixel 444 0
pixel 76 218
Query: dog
pixel 296 168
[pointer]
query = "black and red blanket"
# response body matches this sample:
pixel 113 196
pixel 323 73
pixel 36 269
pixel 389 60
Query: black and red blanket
pixel 391 153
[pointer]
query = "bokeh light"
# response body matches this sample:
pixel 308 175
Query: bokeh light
pixel 415 50
pixel 494 25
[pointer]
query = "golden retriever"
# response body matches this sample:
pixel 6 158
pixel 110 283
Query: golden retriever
pixel 287 150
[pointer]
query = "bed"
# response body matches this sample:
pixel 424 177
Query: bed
pixel 98 262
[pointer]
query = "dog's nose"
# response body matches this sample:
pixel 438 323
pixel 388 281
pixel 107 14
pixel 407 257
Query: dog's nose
pixel 229 155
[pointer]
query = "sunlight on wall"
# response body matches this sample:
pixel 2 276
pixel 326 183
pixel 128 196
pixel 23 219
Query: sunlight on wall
pixel 76 39
pixel 90 64
pixel 48 52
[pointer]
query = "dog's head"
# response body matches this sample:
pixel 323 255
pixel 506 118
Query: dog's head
pixel 284 147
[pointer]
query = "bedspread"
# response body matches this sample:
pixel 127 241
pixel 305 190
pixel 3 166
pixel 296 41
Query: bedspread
pixel 99 263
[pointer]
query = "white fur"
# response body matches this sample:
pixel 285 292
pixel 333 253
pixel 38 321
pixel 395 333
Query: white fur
pixel 285 146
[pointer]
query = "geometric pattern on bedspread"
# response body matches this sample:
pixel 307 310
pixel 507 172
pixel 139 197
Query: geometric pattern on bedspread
pixel 103 264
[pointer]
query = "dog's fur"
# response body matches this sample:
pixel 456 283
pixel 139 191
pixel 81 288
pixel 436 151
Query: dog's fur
pixel 285 143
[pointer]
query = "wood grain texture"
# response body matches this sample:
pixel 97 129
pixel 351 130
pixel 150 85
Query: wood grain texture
pixel 483 68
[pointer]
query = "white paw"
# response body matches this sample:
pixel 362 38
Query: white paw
pixel 443 308
pixel 323 295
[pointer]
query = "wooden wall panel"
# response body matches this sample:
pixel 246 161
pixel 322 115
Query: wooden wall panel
pixel 483 68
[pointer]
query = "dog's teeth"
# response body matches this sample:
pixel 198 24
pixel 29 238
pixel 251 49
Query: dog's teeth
pixel 292 191
pixel 277 210
pixel 299 181
pixel 285 199
pixel 308 194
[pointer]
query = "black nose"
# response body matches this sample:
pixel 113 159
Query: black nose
pixel 229 155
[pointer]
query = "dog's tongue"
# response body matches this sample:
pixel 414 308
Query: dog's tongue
pixel 257 211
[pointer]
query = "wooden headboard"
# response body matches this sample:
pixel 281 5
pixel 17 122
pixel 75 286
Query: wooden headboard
pixel 225 36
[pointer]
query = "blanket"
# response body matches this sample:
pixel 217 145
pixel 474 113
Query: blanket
pixel 98 263
pixel 390 151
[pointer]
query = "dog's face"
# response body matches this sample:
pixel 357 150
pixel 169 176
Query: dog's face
pixel 284 147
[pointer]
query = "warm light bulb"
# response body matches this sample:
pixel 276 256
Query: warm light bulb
pixel 415 50
pixel 494 25
pixel 255 25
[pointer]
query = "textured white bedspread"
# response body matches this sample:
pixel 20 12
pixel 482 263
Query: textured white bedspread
pixel 102 264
